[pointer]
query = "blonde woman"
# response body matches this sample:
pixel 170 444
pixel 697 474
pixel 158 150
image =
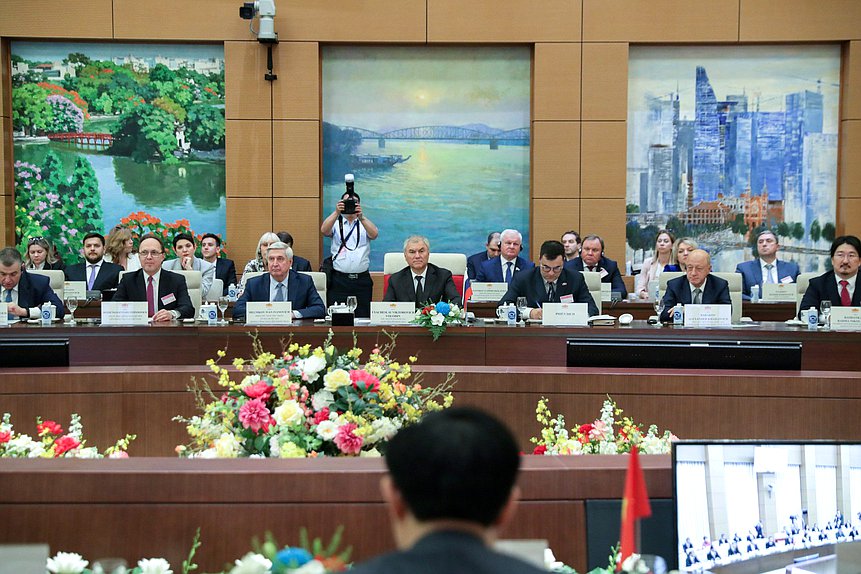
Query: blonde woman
pixel 662 260
pixel 119 249
pixel 259 262
pixel 40 255
pixel 681 249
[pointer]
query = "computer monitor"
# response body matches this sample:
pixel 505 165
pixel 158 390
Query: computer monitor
pixel 750 507
pixel 22 352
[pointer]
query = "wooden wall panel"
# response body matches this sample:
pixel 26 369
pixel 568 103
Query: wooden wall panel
pixel 296 158
pixel 606 217
pixel 660 21
pixel 850 103
pixel 849 216
pixel 605 81
pixel 247 94
pixel 215 20
pixel 850 152
pixel 250 217
pixel 301 217
pixel 550 219
pixel 799 20
pixel 604 171
pixel 513 21
pixel 354 21
pixel 6 156
pixel 53 19
pixel 556 82
pixel 248 145
pixel 7 231
pixel 5 80
pixel 296 92
pixel 555 159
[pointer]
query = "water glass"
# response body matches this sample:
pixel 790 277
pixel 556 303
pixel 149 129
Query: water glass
pixel 659 306
pixel 110 566
pixel 825 313
pixel 523 308
pixel 71 305
pixel 352 303
pixel 223 303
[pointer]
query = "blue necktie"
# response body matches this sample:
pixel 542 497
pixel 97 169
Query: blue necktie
pixel 9 316
pixel 279 292
pixel 508 272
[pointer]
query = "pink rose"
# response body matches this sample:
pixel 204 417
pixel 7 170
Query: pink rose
pixel 259 390
pixel 321 415
pixel 347 441
pixel 255 416
pixel 5 437
pixel 364 381
pixel 599 431
pixel 64 444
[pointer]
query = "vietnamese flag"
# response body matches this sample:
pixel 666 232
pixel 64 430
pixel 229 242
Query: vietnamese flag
pixel 635 505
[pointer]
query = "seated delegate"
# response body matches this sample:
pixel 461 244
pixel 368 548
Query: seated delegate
pixel 698 286
pixel 421 282
pixel 840 286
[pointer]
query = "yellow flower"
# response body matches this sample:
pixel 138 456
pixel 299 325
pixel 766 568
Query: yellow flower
pixel 319 352
pixel 238 362
pixel 293 347
pixel 289 413
pixel 290 450
pixel 221 353
pixel 354 353
pixel 413 358
pixel 448 400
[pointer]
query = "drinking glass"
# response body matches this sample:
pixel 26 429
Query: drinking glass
pixel 352 303
pixel 825 313
pixel 71 305
pixel 110 566
pixel 223 303
pixel 523 308
pixel 659 306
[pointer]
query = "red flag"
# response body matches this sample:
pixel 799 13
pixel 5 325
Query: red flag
pixel 635 505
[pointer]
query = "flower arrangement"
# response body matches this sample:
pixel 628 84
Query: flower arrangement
pixel 141 223
pixel 53 442
pixel 308 402
pixel 610 433
pixel 305 558
pixel 436 317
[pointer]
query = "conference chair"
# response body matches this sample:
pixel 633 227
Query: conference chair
pixel 319 279
pixel 802 282
pixel 216 290
pixel 56 277
pixel 593 284
pixel 454 262
pixel 192 282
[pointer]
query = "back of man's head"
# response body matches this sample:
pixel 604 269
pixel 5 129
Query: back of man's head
pixel 460 464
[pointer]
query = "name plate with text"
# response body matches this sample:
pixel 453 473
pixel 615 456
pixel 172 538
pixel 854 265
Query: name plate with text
pixel 606 292
pixel 4 314
pixel 482 292
pixel 708 315
pixel 268 313
pixel 846 318
pixel 779 292
pixel 75 290
pixel 565 314
pixel 392 313
pixel 124 313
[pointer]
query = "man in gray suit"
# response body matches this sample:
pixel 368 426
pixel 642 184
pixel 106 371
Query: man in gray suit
pixel 450 488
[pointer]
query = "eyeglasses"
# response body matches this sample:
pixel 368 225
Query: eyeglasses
pixel 548 269
pixel 34 240
pixel 146 254
pixel 850 255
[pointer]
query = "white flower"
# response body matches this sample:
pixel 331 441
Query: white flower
pixel 24 446
pixel 312 366
pixel 322 398
pixel 570 446
pixel 327 430
pixel 248 381
pixel 67 563
pixel 437 319
pixel 607 447
pixel 252 563
pixel 312 567
pixel 651 444
pixel 154 566
pixel 373 453
pixel 227 446
pixel 383 429
pixel 335 379
pixel 634 564
pixel 208 453
pixel 289 413
pixel 88 452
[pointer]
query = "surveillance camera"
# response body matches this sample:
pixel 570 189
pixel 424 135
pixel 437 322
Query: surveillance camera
pixel 265 9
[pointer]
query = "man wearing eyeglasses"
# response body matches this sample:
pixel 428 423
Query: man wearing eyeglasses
pixel 549 282
pixel 491 250
pixel 840 286
pixel 165 292
pixel 24 292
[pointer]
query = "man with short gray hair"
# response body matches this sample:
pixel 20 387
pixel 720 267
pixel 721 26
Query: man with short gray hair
pixel 501 269
pixel 24 292
pixel 421 282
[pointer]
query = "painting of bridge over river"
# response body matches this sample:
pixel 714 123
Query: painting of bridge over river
pixel 437 138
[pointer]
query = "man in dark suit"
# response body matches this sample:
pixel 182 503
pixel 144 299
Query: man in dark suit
pixel 98 273
pixel 840 286
pixel 282 284
pixel 299 263
pixel 165 292
pixel 549 282
pixel 698 286
pixel 24 292
pixel 421 281
pixel 225 269
pixel 766 268
pixel 491 250
pixel 592 259
pixel 501 269
pixel 449 489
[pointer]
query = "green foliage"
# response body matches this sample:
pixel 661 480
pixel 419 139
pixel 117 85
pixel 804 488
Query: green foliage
pixel 829 232
pixel 340 142
pixel 797 230
pixel 83 194
pixel 30 110
pixel 104 104
pixel 188 564
pixel 783 229
pixel 815 230
pixel 738 225
pixel 146 133
pixel 161 73
pixel 632 208
pixel 205 127
pixel 167 104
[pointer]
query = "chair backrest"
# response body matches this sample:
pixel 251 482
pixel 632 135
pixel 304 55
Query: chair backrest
pixel 665 277
pixel 803 281
pixel 454 262
pixel 734 280
pixel 56 277
pixel 251 275
pixel 319 282
pixel 593 284
pixel 216 290
pixel 192 281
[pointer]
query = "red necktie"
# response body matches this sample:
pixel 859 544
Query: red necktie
pixel 845 299
pixel 150 297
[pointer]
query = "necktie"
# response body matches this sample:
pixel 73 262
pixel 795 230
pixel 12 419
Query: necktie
pixel 8 299
pixel 591 268
pixel 279 292
pixel 845 299
pixel 508 272
pixel 551 293
pixel 768 269
pixel 698 296
pixel 92 278
pixel 419 289
pixel 150 297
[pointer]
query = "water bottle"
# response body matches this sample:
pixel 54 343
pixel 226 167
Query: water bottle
pixel 754 294
pixel 231 292
pixel 48 311
pixel 812 318
pixel 679 315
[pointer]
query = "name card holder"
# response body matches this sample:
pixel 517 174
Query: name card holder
pixel 4 314
pixel 779 292
pixel 565 314
pixel 126 313
pixel 708 315
pixel 488 292
pixel 262 313
pixel 392 313
pixel 75 290
pixel 846 318
pixel 606 292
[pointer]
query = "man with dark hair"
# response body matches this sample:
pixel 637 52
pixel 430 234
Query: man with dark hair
pixel 571 243
pixel 840 285
pixel 491 250
pixel 698 286
pixel 421 281
pixel 24 292
pixel 766 268
pixel 549 282
pixel 165 292
pixel 450 487
pixel 592 259
pixel 299 263
pixel 183 244
pixel 99 274
pixel 225 269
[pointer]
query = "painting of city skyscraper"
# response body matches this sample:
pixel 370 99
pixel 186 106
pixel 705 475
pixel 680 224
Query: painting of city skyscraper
pixel 725 141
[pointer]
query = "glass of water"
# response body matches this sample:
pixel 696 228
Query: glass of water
pixel 110 566
pixel 825 313
pixel 659 306
pixel 352 303
pixel 223 303
pixel 523 308
pixel 71 305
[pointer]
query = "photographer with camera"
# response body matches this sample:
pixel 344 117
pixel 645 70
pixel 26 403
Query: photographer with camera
pixel 351 232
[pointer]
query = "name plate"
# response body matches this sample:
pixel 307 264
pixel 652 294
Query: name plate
pixel 124 313
pixel 846 318
pixel 779 292
pixel 4 314
pixel 75 290
pixel 708 315
pixel 482 292
pixel 565 314
pixel 606 292
pixel 268 313
pixel 392 313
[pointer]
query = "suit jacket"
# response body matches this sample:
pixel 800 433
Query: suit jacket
pixel 225 270
pixel 33 290
pixel 449 551
pixel 207 272
pixel 824 288
pixel 438 286
pixel 473 262
pixel 131 288
pixel 301 264
pixel 679 291
pixel 613 276
pixel 530 284
pixel 490 271
pixel 300 292
pixel 107 278
pixel 751 274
